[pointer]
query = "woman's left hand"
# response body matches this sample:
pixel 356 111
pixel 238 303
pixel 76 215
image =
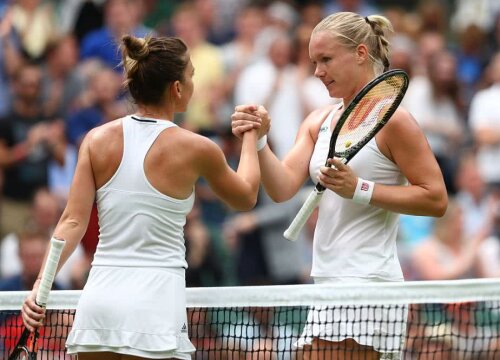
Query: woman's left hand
pixel 339 178
pixel 32 313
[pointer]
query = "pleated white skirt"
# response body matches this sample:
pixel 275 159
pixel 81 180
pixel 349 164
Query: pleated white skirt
pixel 138 311
pixel 383 327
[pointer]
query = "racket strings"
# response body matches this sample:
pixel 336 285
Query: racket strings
pixel 374 108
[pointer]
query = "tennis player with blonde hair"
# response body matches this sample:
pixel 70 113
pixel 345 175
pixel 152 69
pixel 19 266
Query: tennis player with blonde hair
pixel 142 169
pixel 355 236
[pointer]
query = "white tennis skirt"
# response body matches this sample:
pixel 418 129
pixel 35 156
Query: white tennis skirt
pixel 138 311
pixel 382 326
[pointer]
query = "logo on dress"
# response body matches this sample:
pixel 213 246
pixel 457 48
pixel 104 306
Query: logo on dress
pixel 323 129
pixel 365 186
pixel 184 328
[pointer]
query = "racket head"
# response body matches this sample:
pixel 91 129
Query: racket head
pixel 367 113
pixel 22 351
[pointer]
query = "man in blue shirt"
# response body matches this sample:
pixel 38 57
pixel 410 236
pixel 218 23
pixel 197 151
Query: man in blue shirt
pixel 120 17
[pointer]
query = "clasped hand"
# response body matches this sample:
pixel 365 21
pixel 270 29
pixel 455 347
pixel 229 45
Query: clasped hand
pixel 248 117
pixel 338 178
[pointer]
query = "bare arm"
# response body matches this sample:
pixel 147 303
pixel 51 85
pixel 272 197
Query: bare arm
pixel 402 141
pixel 282 179
pixel 239 189
pixel 75 218
pixel 407 147
pixel 71 226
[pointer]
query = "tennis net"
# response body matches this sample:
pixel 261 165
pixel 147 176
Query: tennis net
pixel 413 320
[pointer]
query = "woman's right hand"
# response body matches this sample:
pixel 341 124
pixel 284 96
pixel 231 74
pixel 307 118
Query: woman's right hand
pixel 32 314
pixel 248 117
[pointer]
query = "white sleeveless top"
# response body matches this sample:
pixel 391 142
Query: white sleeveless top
pixel 140 226
pixel 353 240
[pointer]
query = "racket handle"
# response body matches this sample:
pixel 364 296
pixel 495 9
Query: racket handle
pixel 305 211
pixel 49 272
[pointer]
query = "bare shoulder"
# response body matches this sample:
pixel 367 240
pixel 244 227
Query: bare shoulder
pixel 196 141
pixel 400 127
pixel 106 133
pixel 196 148
pixel 313 121
pixel 105 147
pixel 402 122
pixel 402 134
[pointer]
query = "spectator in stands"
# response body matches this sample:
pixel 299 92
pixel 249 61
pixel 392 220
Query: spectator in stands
pixel 403 53
pixel 472 193
pixel 24 149
pixel 82 17
pixel 479 13
pixel 60 173
pixel 120 17
pixel 362 7
pixel 495 34
pixel 428 44
pixel 62 83
pixel 284 260
pixel 279 17
pixel 484 120
pixel 44 213
pixel 157 13
pixel 274 82
pixel 241 51
pixel 447 254
pixel 35 23
pixel 206 58
pixel 433 16
pixel 204 265
pixel 313 93
pixel 311 13
pixel 100 103
pixel 32 247
pixel 434 100
pixel 490 250
pixel 471 56
pixel 10 57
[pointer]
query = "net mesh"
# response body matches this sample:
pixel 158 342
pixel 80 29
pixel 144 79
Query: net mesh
pixel 424 320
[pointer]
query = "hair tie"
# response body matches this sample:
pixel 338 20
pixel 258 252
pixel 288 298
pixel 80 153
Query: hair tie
pixel 386 64
pixel 368 21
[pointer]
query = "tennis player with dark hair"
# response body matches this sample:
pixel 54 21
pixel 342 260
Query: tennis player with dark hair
pixel 396 172
pixel 141 169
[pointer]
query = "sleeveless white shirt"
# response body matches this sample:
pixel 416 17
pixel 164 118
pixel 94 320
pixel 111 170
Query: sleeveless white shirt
pixel 352 240
pixel 140 226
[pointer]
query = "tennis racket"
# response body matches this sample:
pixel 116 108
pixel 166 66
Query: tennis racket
pixel 23 351
pixel 367 113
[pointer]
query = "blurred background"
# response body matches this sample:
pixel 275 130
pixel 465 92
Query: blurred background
pixel 60 76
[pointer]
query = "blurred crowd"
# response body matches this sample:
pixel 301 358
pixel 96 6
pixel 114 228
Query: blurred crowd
pixel 60 76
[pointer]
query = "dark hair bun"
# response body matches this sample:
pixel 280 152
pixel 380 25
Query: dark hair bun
pixel 136 48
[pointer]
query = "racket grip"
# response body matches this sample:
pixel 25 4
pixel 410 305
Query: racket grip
pixel 49 272
pixel 305 211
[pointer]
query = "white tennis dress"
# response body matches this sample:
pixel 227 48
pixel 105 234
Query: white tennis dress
pixel 355 243
pixel 134 300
